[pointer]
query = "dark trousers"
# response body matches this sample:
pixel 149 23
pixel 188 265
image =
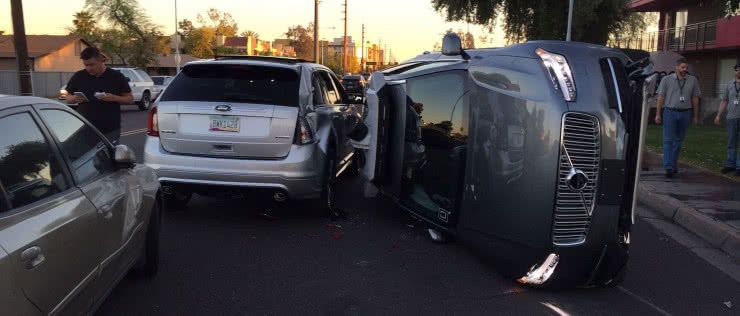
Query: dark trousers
pixel 113 136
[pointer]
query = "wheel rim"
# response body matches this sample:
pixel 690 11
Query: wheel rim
pixel 146 101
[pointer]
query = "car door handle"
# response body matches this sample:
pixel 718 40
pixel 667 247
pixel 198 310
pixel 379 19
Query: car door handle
pixel 32 257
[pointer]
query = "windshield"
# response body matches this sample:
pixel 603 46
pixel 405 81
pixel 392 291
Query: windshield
pixel 235 83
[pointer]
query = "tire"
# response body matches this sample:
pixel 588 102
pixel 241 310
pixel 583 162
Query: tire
pixel 177 200
pixel 149 262
pixel 145 102
pixel 326 203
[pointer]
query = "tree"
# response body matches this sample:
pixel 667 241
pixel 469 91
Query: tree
pixel 730 7
pixel 301 38
pixel 222 23
pixel 199 42
pixel 254 34
pixel 131 35
pixel 86 26
pixel 593 20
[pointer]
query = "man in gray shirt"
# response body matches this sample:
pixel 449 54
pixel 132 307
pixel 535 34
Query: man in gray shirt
pixel 730 100
pixel 679 93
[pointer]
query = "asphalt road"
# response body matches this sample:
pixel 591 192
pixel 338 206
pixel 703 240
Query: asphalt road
pixel 219 257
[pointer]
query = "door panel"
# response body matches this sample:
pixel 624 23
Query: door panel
pixel 115 193
pixel 51 229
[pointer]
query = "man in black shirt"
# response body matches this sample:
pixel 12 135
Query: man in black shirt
pixel 105 90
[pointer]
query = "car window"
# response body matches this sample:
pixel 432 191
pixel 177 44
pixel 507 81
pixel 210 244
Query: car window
pixel 438 99
pixel 235 83
pixel 331 93
pixel 128 75
pixel 29 171
pixel 318 90
pixel 158 80
pixel 88 154
pixel 143 75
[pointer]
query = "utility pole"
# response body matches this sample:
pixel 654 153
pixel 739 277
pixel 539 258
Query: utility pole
pixel 21 48
pixel 316 31
pixel 177 42
pixel 570 20
pixel 362 61
pixel 344 51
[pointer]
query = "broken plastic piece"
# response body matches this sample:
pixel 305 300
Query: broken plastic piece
pixel 266 216
pixel 395 246
pixel 435 235
pixel 728 304
pixel 337 235
pixel 334 225
pixel 337 214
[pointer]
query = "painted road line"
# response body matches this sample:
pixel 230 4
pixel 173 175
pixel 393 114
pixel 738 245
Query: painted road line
pixel 128 133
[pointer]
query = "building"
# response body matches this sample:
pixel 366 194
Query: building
pixel 49 53
pixel 694 29
pixel 337 46
pixel 165 65
pixel 375 56
pixel 246 45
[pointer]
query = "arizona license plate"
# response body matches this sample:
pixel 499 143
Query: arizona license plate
pixel 224 124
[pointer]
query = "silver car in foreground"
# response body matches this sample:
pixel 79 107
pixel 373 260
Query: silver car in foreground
pixel 247 123
pixel 76 214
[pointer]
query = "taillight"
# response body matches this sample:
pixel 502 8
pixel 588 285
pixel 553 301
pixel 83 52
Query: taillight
pixel 303 133
pixel 152 127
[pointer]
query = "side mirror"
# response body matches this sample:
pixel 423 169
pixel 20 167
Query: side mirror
pixel 452 46
pixel 124 155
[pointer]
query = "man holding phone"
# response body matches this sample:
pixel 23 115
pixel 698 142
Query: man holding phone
pixel 99 91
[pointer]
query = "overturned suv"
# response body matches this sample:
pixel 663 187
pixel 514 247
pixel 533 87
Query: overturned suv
pixel 527 154
pixel 240 124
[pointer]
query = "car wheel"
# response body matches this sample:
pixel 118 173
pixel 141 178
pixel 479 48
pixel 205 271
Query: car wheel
pixel 145 102
pixel 326 203
pixel 149 262
pixel 177 200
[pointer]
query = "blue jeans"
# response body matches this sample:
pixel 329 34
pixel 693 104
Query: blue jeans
pixel 674 130
pixel 733 129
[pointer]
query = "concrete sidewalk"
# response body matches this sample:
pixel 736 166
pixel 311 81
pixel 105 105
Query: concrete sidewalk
pixel 704 203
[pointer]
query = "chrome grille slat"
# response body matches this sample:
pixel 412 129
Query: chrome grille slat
pixel 581 141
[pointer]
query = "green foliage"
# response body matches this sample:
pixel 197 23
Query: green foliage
pixel 705 146
pixel 199 42
pixel 301 38
pixel 86 26
pixel 593 20
pixel 730 7
pixel 222 22
pixel 335 62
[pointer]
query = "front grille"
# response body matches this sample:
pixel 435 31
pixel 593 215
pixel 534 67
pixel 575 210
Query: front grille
pixel 580 149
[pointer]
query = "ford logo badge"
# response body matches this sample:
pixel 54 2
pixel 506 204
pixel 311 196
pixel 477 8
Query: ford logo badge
pixel 223 108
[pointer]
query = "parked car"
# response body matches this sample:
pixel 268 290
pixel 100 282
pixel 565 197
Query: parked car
pixel 142 86
pixel 160 83
pixel 527 153
pixel 76 213
pixel 355 85
pixel 237 124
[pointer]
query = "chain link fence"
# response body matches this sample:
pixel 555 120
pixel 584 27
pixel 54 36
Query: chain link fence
pixel 44 84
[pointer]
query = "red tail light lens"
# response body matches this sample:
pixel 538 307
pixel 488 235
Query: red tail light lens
pixel 152 128
pixel 303 134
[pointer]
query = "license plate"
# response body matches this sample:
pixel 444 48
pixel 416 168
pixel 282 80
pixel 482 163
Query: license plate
pixel 224 124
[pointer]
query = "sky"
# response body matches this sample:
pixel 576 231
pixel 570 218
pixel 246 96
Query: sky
pixel 407 27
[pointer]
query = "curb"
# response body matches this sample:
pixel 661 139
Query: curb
pixel 716 233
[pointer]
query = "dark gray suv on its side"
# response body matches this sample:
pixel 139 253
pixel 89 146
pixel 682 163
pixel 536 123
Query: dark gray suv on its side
pixel 526 153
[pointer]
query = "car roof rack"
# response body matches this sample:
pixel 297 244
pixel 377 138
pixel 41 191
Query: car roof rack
pixel 278 59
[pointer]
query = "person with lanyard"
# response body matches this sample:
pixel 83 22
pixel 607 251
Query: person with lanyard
pixel 730 100
pixel 99 91
pixel 679 93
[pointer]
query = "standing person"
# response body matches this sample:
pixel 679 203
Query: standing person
pixel 105 90
pixel 679 92
pixel 730 100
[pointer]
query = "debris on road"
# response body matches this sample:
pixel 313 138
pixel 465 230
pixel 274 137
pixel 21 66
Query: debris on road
pixel 395 246
pixel 334 225
pixel 337 235
pixel 312 236
pixel 337 214
pixel 410 226
pixel 728 304
pixel 266 216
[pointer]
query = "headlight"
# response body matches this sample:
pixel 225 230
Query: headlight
pixel 560 74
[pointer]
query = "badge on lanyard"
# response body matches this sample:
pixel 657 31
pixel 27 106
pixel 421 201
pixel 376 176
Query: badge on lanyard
pixel 680 87
pixel 682 99
pixel 736 102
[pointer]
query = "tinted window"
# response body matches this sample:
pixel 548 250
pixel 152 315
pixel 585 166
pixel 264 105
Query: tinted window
pixel 235 83
pixel 158 80
pixel 86 151
pixel 29 171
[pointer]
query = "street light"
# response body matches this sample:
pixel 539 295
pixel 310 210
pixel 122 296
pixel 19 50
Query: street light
pixel 177 43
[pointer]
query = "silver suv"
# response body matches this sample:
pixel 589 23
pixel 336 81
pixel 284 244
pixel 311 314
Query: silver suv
pixel 248 122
